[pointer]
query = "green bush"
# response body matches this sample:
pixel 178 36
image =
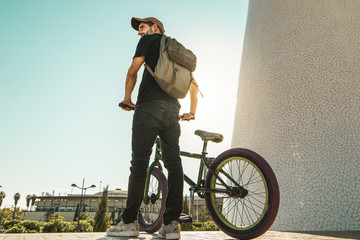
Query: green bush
pixel 186 227
pixel 26 226
pixel 31 226
pixel 207 226
pixel 85 216
pixel 58 217
pixel 17 228
pixel 9 224
pixel 85 225
pixel 204 221
pixel 58 225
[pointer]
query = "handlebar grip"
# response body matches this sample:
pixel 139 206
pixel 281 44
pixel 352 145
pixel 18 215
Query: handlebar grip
pixel 123 105
pixel 192 118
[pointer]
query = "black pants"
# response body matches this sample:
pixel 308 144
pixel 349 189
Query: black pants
pixel 152 119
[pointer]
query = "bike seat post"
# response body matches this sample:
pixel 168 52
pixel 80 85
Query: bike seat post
pixel 204 151
pixel 158 145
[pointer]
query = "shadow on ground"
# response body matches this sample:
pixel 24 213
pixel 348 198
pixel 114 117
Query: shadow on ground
pixel 347 234
pixel 153 237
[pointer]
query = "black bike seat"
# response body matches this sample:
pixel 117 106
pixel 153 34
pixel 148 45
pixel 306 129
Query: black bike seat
pixel 209 136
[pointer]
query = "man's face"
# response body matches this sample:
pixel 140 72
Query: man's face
pixel 145 29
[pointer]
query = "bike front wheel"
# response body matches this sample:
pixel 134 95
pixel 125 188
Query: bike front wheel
pixel 248 207
pixel 152 210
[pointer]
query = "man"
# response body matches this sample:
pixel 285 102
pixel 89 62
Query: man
pixel 156 114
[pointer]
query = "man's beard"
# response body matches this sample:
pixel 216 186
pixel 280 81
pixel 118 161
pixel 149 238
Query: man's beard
pixel 150 31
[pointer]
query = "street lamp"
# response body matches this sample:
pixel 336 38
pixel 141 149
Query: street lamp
pixel 81 196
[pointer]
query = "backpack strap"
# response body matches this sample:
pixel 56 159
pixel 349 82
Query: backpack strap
pixel 150 70
pixel 196 85
pixel 162 48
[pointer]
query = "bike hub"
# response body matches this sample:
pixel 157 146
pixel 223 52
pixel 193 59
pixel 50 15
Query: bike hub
pixel 238 192
pixel 153 198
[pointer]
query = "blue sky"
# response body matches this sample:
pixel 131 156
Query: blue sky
pixel 62 72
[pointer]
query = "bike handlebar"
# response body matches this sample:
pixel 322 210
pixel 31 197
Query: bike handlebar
pixel 123 105
pixel 182 116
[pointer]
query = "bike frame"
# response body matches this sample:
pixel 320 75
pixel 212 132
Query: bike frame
pixel 199 186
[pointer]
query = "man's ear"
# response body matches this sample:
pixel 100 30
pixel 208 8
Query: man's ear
pixel 156 28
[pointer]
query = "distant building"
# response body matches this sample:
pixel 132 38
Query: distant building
pixel 66 205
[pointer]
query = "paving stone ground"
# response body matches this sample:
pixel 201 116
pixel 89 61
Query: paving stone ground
pixel 270 235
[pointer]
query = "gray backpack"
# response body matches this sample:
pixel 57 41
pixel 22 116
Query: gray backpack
pixel 173 71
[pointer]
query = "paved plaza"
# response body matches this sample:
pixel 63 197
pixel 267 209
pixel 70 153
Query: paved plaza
pixel 270 235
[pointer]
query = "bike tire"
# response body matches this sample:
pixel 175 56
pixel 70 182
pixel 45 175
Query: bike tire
pixel 242 218
pixel 151 213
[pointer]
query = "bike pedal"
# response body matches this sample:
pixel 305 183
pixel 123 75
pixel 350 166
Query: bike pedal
pixel 185 219
pixel 197 224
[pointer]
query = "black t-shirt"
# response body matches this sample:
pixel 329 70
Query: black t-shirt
pixel 149 47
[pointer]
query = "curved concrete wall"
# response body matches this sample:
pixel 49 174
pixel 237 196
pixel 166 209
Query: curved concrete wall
pixel 299 107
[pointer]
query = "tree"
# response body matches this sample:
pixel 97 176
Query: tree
pixel 101 217
pixel 16 200
pixel 85 216
pixel 28 199
pixel 3 214
pixel 33 199
pixel 118 219
pixel 49 214
pixel 112 217
pixel 203 215
pixel 7 214
pixel 2 196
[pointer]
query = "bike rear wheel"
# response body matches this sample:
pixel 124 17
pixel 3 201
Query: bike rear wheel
pixel 151 212
pixel 250 207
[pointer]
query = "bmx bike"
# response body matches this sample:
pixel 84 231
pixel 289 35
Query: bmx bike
pixel 240 190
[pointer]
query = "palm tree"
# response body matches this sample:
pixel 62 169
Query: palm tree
pixel 28 199
pixel 33 199
pixel 16 200
pixel 2 196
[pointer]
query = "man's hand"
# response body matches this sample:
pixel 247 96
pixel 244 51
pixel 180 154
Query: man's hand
pixel 187 117
pixel 131 81
pixel 129 103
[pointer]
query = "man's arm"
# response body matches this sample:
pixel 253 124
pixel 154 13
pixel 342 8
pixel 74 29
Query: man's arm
pixel 193 101
pixel 131 78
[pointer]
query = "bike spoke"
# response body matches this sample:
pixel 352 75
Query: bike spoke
pixel 251 176
pixel 255 204
pixel 257 191
pixel 258 201
pixel 243 212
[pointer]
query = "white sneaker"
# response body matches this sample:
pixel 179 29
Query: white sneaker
pixel 170 231
pixel 124 230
